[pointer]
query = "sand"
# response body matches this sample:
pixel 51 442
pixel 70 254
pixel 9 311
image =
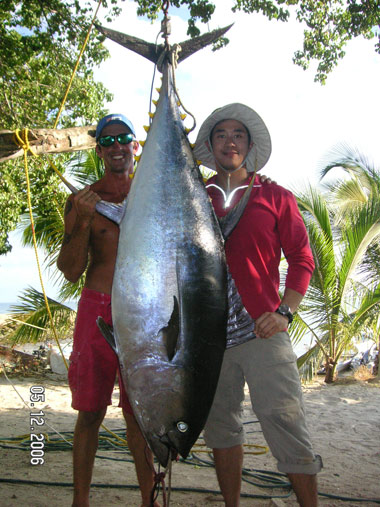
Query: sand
pixel 344 422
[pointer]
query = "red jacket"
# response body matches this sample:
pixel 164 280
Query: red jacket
pixel 270 223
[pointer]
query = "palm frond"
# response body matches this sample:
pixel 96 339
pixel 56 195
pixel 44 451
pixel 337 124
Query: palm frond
pixel 298 329
pixel 314 209
pixel 69 291
pixel 350 159
pixel 308 363
pixel 362 228
pixel 86 167
pixel 32 312
pixel 369 308
pixel 48 232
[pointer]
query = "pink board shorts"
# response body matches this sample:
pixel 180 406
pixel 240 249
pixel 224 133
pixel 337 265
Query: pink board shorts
pixel 93 363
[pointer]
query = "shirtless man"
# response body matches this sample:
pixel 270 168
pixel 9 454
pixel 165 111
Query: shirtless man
pixel 91 241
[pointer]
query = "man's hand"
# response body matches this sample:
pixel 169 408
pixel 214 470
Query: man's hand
pixel 266 179
pixel 270 323
pixel 84 202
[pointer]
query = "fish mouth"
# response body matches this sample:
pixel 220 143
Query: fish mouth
pixel 172 443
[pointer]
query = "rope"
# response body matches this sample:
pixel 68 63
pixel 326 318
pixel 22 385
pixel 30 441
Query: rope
pixel 159 480
pixel 165 7
pixel 77 64
pixel 165 24
pixel 174 58
pixel 27 437
pixel 65 181
pixel 23 142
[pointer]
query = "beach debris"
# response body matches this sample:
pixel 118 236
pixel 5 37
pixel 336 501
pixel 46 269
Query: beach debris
pixel 16 361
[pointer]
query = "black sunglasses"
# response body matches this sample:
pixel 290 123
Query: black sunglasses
pixel 121 139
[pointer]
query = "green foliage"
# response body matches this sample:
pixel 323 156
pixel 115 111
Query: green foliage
pixel 36 323
pixel 86 168
pixel 39 46
pixel 198 9
pixel 11 203
pixel 338 305
pixel 329 24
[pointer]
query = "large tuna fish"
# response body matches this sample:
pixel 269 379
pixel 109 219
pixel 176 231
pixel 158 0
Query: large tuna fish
pixel 169 295
pixel 171 283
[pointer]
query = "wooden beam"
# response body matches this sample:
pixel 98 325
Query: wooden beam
pixel 48 141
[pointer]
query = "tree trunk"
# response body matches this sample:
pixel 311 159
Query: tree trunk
pixel 48 141
pixel 330 375
pixel 376 370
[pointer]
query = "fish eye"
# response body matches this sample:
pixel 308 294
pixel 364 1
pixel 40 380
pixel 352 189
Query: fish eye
pixel 182 426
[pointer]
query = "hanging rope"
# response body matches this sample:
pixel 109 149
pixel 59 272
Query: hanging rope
pixel 174 58
pixel 77 64
pixel 23 142
pixel 165 24
pixel 21 138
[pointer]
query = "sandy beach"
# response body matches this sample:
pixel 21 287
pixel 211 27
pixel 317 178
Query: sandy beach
pixel 344 421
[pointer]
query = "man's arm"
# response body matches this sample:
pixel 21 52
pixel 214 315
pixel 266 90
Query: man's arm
pixel 270 323
pixel 295 245
pixel 79 214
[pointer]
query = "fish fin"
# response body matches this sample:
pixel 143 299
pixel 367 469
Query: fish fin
pixel 114 212
pixel 191 46
pixel 146 49
pixel 153 52
pixel 230 221
pixel 107 332
pixel 170 333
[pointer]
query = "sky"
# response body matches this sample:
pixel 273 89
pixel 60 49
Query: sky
pixel 305 119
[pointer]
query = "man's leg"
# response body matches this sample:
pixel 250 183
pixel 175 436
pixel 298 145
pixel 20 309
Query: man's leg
pixel 228 465
pixel 143 459
pixel 84 449
pixel 305 488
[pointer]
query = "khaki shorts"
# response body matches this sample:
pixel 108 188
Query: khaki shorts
pixel 269 368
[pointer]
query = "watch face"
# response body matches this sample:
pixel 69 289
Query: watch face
pixel 285 311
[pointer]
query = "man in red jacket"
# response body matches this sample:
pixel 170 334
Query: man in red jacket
pixel 235 142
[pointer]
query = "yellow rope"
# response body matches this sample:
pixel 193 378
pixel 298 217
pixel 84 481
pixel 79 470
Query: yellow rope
pixel 263 449
pixel 23 142
pixel 58 172
pixel 77 64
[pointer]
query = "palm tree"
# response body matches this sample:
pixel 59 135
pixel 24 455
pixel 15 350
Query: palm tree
pixel 363 185
pixel 342 231
pixel 31 312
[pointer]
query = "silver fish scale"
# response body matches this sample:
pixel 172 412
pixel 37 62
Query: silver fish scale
pixel 169 295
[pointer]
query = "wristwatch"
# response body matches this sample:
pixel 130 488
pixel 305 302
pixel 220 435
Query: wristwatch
pixel 285 311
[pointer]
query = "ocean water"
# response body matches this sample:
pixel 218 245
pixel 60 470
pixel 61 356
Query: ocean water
pixel 5 307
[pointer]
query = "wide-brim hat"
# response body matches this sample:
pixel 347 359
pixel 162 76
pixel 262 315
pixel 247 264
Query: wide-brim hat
pixel 260 152
pixel 111 119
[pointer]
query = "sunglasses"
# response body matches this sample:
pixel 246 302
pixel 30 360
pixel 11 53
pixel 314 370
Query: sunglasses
pixel 110 140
